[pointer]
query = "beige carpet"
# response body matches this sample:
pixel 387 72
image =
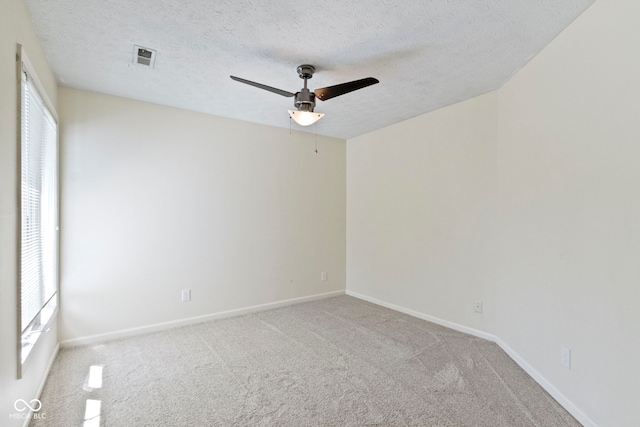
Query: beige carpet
pixel 335 362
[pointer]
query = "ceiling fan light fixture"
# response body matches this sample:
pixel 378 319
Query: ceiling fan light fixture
pixel 305 118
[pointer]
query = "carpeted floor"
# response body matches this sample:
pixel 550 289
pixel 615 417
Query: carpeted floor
pixel 335 362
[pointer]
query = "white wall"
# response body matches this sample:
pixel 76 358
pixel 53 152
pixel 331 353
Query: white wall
pixel 158 199
pixel 16 27
pixel 534 211
pixel 420 208
pixel 569 152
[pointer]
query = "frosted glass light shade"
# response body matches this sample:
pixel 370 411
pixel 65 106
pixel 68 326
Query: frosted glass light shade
pixel 305 118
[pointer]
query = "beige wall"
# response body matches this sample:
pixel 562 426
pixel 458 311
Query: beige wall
pixel 420 208
pixel 527 199
pixel 569 152
pixel 16 27
pixel 158 199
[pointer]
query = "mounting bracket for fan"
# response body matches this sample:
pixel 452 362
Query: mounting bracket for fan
pixel 305 71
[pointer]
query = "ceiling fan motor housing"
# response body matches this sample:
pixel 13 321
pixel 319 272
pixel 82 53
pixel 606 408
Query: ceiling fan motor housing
pixel 305 100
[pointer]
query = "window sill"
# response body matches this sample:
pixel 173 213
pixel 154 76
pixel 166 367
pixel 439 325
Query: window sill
pixel 40 326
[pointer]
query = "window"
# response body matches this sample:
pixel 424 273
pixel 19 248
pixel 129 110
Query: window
pixel 38 141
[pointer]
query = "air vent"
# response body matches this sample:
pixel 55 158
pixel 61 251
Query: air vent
pixel 144 56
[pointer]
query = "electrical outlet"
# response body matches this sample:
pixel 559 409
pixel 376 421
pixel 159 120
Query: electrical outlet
pixel 323 276
pixel 186 295
pixel 477 307
pixel 565 356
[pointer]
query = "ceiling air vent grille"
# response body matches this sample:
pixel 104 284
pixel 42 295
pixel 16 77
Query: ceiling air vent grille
pixel 144 56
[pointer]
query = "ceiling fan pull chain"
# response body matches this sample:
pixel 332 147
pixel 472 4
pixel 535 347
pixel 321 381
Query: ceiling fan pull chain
pixel 316 129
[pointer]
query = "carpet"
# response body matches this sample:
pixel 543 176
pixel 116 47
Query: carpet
pixel 335 362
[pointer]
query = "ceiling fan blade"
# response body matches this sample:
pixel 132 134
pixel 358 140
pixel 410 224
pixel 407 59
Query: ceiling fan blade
pixel 265 87
pixel 332 91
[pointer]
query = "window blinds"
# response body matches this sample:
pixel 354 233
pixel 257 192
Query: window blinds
pixel 39 206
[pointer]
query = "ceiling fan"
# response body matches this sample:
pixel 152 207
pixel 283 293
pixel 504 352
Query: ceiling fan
pixel 305 100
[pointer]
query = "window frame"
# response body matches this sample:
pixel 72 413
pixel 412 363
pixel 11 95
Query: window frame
pixel 29 335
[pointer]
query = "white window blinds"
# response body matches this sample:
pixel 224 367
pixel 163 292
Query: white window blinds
pixel 39 214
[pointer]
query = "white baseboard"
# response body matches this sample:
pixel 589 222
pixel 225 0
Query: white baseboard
pixel 545 384
pixel 100 338
pixel 427 317
pixel 577 413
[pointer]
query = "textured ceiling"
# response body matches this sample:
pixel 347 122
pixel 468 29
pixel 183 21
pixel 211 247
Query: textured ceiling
pixel 426 54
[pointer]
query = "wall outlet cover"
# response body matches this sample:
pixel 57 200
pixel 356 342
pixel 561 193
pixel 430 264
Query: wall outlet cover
pixel 565 357
pixel 477 307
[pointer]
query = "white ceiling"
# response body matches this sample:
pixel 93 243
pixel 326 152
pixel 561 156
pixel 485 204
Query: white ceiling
pixel 426 54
